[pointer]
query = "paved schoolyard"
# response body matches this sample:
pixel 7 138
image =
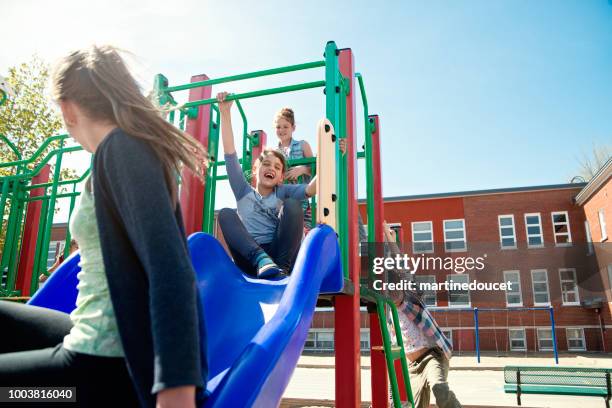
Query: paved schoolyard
pixel 472 383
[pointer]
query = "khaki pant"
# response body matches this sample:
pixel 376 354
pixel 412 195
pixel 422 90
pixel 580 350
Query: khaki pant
pixel 428 375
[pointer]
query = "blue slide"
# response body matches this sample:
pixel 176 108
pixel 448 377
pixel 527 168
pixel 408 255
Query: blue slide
pixel 255 329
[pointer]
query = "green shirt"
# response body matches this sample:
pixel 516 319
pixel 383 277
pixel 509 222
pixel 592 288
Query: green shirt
pixel 95 327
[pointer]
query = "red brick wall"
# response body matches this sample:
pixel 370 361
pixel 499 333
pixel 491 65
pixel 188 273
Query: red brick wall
pixel 482 232
pixel 602 199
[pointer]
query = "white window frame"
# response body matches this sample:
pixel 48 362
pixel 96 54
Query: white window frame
pixel 576 291
pixel 362 332
pixel 520 291
pixel 566 223
pixel 602 224
pixel 316 339
pixel 552 339
pixel 533 288
pixel 589 239
pixel 435 294
pixel 501 237
pixel 583 348
pixel 541 234
pixel 463 229
pixel 469 303
pixel 523 337
pixel 429 251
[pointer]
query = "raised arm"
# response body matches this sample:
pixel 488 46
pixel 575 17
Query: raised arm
pixel 227 134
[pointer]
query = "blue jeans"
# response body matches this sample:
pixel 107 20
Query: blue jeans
pixel 284 247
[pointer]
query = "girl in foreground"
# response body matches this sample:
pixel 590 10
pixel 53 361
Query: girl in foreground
pixel 133 338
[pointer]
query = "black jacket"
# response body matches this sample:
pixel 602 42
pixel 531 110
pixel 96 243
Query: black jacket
pixel 150 276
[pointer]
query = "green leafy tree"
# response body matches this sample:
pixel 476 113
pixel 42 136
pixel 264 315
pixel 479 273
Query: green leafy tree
pixel 27 119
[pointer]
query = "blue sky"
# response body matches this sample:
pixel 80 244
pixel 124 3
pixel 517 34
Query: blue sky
pixel 471 94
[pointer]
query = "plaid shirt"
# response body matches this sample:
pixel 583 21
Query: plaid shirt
pixel 414 309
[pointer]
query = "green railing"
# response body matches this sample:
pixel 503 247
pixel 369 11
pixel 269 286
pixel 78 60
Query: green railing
pixel 16 190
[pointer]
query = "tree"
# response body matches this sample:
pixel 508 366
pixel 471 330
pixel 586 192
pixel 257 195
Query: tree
pixel 27 119
pixel 590 164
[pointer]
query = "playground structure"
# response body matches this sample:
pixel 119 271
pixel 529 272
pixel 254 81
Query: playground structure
pixel 338 195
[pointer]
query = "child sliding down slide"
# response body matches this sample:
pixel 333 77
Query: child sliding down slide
pixel 265 232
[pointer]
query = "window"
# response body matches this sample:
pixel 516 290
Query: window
pixel 458 297
pixel 448 333
pixel 602 224
pixel 569 288
pixel 54 248
pixel 320 340
pixel 545 340
pixel 422 237
pixel 310 340
pixel 429 296
pixel 575 339
pixel 589 240
pixel 561 228
pixel 325 340
pixel 514 297
pixel 539 281
pixel 517 339
pixel 533 226
pixel 364 339
pixel 454 235
pixel 507 233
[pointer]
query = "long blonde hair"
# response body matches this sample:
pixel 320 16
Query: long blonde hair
pixel 97 80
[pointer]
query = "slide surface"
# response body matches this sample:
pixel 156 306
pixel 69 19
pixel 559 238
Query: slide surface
pixel 254 329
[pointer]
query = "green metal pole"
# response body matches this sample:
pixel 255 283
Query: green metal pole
pixel 3 200
pixel 239 77
pixel 52 199
pixel 369 160
pixel 9 246
pixel 332 112
pixel 400 343
pixel 246 150
pixel 68 234
pixel 11 146
pixel 39 244
pixel 38 151
pixel 17 234
pixel 209 193
pixel 255 94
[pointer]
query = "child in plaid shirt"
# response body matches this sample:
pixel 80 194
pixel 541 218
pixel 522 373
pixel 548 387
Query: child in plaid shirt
pixel 426 347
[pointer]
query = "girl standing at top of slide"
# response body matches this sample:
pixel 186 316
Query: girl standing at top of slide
pixel 284 123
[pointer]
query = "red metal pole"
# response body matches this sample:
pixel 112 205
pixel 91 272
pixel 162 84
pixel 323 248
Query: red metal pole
pixel 192 189
pixel 347 321
pixel 30 234
pixel 379 378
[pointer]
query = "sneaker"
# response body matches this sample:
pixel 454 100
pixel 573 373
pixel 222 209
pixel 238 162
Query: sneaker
pixel 269 270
